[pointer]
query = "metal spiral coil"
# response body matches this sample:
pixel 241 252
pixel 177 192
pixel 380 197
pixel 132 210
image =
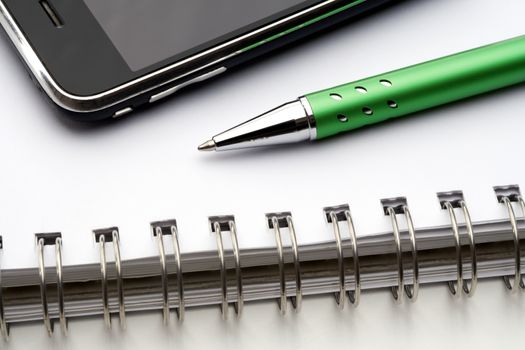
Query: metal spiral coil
pixel 43 239
pixel 341 222
pixel 218 225
pixel 278 221
pixel 334 215
pixel 455 200
pixel 508 195
pixel 111 235
pixel 159 229
pixel 392 207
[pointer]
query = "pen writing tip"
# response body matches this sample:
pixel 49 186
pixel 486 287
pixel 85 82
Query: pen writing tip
pixel 207 146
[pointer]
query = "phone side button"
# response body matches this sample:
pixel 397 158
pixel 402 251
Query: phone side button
pixel 173 89
pixel 122 112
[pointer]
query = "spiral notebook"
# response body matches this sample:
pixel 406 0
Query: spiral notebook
pixel 401 259
pixel 53 219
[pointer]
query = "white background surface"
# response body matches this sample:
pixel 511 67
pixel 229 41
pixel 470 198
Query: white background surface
pixel 56 175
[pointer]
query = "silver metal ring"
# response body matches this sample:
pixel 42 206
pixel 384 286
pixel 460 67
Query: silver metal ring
pixel 339 296
pixel 522 206
pixel 508 195
pixel 118 267
pixel 459 257
pixel 469 291
pixel 517 253
pixel 282 276
pixel 178 264
pixel 354 295
pixel 104 280
pixel 276 221
pixel 239 304
pixel 393 207
pixel 335 215
pixel 297 300
pixel 412 291
pixel 43 239
pixel 43 290
pixel 159 230
pixel 60 286
pixel 224 286
pixel 399 257
pixel 164 275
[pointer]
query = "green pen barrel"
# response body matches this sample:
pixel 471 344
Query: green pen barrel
pixel 419 87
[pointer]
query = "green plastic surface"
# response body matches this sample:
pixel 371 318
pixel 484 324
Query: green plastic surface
pixel 408 90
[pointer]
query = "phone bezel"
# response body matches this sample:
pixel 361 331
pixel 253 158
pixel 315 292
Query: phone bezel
pixel 108 92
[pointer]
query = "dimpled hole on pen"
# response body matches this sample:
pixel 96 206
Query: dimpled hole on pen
pixel 368 111
pixel 392 104
pixel 385 82
pixel 361 90
pixel 336 97
pixel 342 118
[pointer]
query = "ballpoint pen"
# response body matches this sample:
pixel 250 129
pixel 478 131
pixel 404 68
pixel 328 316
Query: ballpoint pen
pixel 372 100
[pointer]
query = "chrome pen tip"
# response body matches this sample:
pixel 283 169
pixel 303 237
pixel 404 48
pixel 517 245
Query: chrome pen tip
pixel 207 146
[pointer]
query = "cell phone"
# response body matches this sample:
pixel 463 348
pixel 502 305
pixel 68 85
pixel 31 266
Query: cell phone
pixel 98 59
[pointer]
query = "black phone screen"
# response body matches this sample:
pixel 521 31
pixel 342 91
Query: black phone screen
pixel 147 32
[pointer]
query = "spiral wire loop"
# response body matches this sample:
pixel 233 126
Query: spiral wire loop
pixel 282 276
pixel 218 225
pixel 238 271
pixel 508 195
pixel 60 286
pixel 111 235
pixel 392 207
pixel 224 280
pixel 164 274
pixel 413 290
pixel 450 201
pixel 43 239
pixel 399 257
pixel 104 280
pixel 339 296
pixel 356 294
pixel 159 229
pixel 178 264
pixel 334 215
pixel 276 221
pixel 120 288
pixel 43 289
